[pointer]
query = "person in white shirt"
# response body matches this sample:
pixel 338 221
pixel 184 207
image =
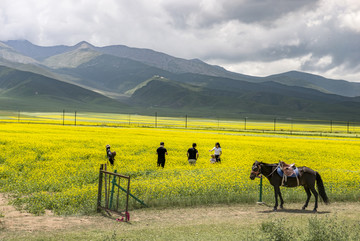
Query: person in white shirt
pixel 217 152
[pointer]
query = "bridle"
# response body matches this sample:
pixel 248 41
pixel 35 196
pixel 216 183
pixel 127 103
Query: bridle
pixel 258 172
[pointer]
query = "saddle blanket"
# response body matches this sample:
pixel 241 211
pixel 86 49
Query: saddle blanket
pixel 281 173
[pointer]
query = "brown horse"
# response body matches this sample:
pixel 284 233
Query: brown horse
pixel 307 178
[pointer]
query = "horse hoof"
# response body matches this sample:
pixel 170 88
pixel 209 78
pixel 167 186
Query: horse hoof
pixel 303 208
pixel 282 207
pixel 275 209
pixel 314 210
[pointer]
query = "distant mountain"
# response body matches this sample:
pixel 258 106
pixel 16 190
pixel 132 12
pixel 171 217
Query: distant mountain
pixel 146 56
pixel 270 98
pixel 20 90
pixel 339 87
pixel 38 53
pixel 53 57
pixel 172 64
pixel 9 54
pixel 72 59
pixel 146 79
pixel 111 73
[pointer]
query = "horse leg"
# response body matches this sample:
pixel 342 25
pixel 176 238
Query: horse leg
pixel 313 190
pixel 281 199
pixel 308 193
pixel 277 191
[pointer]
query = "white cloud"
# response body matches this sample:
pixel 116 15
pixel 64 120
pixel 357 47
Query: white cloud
pixel 266 68
pixel 350 20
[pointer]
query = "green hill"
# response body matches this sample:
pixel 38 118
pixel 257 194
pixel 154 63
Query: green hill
pixel 267 99
pixel 20 90
pixel 339 87
pixel 111 73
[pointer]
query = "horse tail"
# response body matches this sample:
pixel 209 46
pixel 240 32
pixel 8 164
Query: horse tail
pixel 321 188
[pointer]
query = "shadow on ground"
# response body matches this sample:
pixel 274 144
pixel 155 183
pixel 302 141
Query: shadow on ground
pixel 294 211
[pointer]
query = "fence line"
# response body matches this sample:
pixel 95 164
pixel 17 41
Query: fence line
pixel 278 125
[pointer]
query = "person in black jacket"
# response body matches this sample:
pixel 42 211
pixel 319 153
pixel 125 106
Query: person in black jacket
pixel 192 154
pixel 161 152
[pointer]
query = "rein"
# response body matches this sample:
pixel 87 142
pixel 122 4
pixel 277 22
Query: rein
pixel 259 172
pixel 271 172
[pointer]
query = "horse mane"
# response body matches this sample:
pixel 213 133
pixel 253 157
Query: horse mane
pixel 269 165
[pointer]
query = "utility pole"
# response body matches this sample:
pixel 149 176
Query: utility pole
pixel 245 123
pixel 64 117
pixel 186 118
pixel 331 124
pixel 75 118
pixel 275 124
pixel 155 119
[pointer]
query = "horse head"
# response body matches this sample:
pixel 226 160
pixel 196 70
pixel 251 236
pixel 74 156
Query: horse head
pixel 255 170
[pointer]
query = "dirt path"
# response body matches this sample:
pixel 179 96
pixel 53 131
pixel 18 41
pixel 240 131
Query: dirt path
pixel 14 220
pixel 14 223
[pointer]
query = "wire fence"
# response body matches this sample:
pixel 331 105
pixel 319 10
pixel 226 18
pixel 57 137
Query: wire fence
pixel 275 125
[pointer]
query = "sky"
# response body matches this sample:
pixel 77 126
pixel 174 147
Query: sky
pixel 254 37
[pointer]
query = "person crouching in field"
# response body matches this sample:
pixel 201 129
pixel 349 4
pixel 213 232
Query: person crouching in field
pixel 161 152
pixel 110 155
pixel 192 154
pixel 217 152
pixel 212 159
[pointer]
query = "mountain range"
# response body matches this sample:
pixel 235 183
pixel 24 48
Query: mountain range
pixel 123 79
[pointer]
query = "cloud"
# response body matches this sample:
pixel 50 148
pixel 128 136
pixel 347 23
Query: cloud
pixel 256 37
pixel 205 13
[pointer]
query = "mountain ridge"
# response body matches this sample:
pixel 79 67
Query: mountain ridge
pixel 26 90
pixel 195 66
pixel 134 75
pixel 160 92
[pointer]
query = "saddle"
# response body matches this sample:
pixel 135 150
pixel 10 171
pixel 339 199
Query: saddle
pixel 288 169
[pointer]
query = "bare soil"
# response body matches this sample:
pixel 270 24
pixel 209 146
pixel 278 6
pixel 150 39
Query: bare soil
pixel 14 220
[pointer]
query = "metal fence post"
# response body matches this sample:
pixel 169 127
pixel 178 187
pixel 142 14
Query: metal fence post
pixel 100 188
pixel 331 124
pixel 64 117
pixel 275 124
pixel 260 190
pixel 155 119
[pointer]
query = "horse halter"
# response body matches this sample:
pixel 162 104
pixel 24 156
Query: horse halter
pixel 256 172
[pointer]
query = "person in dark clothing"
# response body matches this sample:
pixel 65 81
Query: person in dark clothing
pixel 161 152
pixel 192 154
pixel 110 155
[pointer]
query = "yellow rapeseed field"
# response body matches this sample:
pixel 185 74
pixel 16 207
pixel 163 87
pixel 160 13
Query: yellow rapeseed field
pixel 56 167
